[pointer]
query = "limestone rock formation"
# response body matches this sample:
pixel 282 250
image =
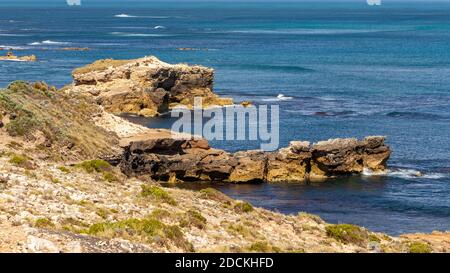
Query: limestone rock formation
pixel 348 156
pixel 193 160
pixel 145 86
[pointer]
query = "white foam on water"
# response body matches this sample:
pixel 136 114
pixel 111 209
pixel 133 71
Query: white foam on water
pixel 159 27
pixel 308 31
pixel 48 42
pixel 125 34
pixel 280 97
pixel 13 60
pixel 13 35
pixel 123 15
pixel 6 47
pixel 405 174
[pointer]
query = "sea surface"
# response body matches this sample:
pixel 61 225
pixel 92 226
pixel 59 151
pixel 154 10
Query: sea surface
pixel 344 70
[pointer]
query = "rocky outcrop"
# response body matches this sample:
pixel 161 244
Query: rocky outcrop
pixel 145 86
pixel 193 160
pixel 11 57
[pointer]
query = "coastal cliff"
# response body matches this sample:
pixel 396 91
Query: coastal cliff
pixel 168 159
pixel 76 178
pixel 145 86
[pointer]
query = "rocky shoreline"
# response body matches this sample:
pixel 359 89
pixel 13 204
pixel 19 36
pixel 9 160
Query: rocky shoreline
pixel 149 87
pixel 76 178
pixel 168 159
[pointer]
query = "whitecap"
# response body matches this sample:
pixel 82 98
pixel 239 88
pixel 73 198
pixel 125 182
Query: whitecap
pixel 123 15
pixel 48 42
pixel 280 97
pixel 305 31
pixel 6 47
pixel 13 35
pixel 159 27
pixel 125 34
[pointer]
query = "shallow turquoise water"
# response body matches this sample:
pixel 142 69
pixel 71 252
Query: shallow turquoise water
pixel 351 70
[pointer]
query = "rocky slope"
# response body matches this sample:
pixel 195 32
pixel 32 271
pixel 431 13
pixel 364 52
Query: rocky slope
pixel 145 86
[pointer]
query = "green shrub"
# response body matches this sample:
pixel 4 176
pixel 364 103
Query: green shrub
pixel 194 218
pixel 148 229
pixel 263 247
pixel 44 223
pixel 243 207
pixel 348 234
pixel 374 238
pixel 99 166
pixel 64 169
pixel 157 193
pixel 110 177
pixel 419 247
pixel 96 165
pixel 21 161
pixel 213 194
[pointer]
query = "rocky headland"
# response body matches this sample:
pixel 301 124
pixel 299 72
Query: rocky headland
pixel 146 86
pixel 74 177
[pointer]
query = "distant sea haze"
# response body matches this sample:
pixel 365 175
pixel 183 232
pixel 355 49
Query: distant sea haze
pixel 335 69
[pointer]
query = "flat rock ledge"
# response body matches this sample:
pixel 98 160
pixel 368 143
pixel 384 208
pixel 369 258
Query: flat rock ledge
pixel 173 159
pixel 146 86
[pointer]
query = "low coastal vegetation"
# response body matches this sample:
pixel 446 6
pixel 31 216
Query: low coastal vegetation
pixel 243 207
pixel 22 161
pixel 54 122
pixel 419 247
pixel 147 230
pixel 157 193
pixel 99 166
pixel 349 234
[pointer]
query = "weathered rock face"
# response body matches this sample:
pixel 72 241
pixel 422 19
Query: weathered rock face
pixel 145 86
pixel 251 167
pixel 289 164
pixel 193 160
pixel 348 156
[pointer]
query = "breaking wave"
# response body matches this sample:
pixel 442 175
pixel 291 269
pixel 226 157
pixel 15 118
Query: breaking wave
pixel 125 34
pixel 280 97
pixel 406 174
pixel 49 42
pixel 123 15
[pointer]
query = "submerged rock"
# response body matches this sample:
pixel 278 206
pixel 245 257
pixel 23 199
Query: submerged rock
pixel 145 86
pixel 11 57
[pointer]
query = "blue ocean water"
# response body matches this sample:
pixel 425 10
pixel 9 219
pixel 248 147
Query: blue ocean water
pixel 351 69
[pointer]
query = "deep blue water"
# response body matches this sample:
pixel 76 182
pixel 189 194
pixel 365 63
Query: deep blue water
pixel 352 70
